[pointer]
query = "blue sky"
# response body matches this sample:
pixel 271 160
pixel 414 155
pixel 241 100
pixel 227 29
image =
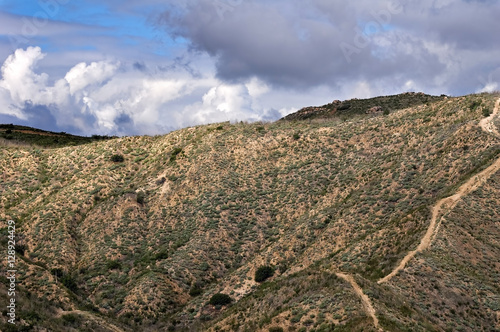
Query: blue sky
pixel 131 27
pixel 151 66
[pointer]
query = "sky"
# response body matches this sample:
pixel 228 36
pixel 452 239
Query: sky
pixel 152 66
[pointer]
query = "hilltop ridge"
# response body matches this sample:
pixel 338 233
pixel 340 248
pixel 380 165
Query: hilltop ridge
pixel 373 106
pixel 16 135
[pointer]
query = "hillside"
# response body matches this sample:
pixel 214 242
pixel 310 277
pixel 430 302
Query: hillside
pixel 373 106
pixel 23 136
pixel 332 206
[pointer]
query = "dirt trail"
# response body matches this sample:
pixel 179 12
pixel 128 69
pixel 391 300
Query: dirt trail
pixel 367 304
pixel 442 205
pixel 450 202
pixel 487 123
pixel 101 321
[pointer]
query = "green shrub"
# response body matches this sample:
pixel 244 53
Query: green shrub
pixel 32 316
pixel 71 319
pixel 70 283
pixel 117 158
pixel 220 299
pixel 175 152
pixel 195 290
pixel 161 255
pixel 276 329
pixel 474 105
pixel 140 197
pixel 486 112
pixel 113 265
pixel 59 273
pixel 263 273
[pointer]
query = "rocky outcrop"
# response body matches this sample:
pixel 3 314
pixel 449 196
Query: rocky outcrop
pixel 374 110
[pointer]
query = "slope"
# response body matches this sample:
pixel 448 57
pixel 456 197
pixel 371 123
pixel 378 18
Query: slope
pixel 202 208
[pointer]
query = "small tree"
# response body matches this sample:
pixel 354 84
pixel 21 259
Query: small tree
pixel 220 299
pixel 263 273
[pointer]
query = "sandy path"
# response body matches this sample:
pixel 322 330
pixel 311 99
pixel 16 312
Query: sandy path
pixel 367 304
pixel 445 204
pixel 487 123
pixel 450 202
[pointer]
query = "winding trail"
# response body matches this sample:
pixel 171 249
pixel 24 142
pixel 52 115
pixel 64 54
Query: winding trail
pixel 367 304
pixel 448 203
pixel 443 205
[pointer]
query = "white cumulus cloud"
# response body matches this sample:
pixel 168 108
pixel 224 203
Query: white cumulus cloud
pixel 83 75
pixel 110 97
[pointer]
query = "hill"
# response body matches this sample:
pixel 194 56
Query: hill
pixel 14 135
pixel 379 105
pixel 139 233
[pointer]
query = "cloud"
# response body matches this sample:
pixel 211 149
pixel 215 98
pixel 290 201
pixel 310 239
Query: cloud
pixel 302 44
pixel 110 97
pixel 219 60
pixel 83 75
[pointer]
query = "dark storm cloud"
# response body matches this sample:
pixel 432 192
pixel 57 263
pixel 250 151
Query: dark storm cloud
pixel 308 43
pixel 466 24
pixel 41 117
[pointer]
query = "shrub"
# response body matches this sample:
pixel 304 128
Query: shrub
pixel 20 249
pixel 474 105
pixel 68 281
pixel 162 255
pixel 59 273
pixel 486 112
pixel 175 152
pixel 117 158
pixel 296 136
pixel 220 299
pixel 263 273
pixel 113 265
pixel 195 290
pixel 140 197
pixel 276 329
pixel 71 318
pixel 32 316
